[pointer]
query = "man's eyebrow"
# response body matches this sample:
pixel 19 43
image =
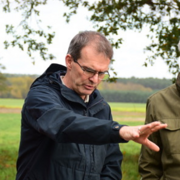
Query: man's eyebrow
pixel 88 68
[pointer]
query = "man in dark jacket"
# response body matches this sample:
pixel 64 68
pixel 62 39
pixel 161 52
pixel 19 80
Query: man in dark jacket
pixel 67 132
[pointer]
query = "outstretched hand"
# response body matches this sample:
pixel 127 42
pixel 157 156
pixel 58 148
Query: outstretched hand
pixel 141 133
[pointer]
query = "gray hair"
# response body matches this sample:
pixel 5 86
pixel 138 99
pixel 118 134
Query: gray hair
pixel 85 38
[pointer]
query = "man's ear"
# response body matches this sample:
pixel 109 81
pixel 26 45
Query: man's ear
pixel 69 61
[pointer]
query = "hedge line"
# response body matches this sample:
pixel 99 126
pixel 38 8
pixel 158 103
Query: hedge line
pixel 126 96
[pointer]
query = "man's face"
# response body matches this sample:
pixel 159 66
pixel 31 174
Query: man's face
pixel 91 59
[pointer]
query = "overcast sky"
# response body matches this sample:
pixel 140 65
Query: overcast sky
pixel 129 58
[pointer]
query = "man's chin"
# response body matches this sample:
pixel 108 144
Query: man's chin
pixel 88 92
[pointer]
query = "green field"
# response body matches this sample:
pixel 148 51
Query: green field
pixel 10 134
pixel 11 103
pixel 127 107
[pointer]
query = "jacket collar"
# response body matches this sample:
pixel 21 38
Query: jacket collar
pixel 55 67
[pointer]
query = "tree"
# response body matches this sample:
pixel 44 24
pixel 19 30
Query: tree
pixel 3 86
pixel 160 17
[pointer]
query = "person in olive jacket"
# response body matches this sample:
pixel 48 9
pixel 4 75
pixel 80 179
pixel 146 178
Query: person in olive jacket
pixel 163 106
pixel 67 131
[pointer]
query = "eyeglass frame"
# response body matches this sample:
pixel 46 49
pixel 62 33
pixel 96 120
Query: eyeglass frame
pixel 89 70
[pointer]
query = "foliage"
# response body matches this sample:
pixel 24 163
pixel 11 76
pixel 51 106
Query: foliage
pixel 123 86
pixel 159 17
pixel 126 96
pixel 3 85
pixel 152 83
pixel 18 87
pixel 27 37
pixel 136 84
pixel 132 89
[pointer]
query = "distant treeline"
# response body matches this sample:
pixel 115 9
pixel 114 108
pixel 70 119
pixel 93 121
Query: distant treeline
pixel 126 96
pixel 132 89
pixel 153 83
pixel 123 90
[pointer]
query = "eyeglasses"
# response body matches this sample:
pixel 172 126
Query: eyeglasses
pixel 90 72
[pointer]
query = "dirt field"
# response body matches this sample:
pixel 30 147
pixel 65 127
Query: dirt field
pixel 10 110
pixel 128 116
pixel 117 116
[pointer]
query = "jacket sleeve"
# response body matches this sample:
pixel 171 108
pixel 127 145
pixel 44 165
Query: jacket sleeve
pixel 44 113
pixel 150 167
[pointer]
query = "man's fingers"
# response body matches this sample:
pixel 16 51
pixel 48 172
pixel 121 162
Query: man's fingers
pixel 158 127
pixel 140 133
pixel 152 127
pixel 151 145
pixel 148 129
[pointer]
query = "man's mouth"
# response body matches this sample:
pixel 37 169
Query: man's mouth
pixel 89 87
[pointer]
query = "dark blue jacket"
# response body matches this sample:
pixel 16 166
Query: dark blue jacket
pixel 63 138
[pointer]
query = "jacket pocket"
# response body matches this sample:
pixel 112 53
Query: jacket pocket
pixel 171 136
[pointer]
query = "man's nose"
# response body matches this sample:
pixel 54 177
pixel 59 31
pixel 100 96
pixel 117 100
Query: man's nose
pixel 95 78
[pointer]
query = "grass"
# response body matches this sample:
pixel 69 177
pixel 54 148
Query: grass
pixel 10 135
pixel 130 152
pixel 10 130
pixel 11 103
pixel 128 107
pixel 9 143
pixel 125 107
